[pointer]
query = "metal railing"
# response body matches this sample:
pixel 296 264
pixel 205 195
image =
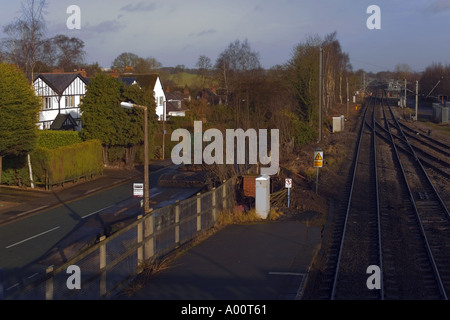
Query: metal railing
pixel 105 267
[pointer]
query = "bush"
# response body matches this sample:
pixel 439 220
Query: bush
pixel 15 171
pixel 68 162
pixel 50 139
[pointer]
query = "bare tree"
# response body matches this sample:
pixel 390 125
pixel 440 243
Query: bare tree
pixel 26 36
pixel 64 52
pixel 204 66
pixel 234 66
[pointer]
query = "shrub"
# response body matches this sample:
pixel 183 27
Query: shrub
pixel 68 162
pixel 50 139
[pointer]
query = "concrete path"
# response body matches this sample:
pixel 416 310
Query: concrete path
pixel 264 261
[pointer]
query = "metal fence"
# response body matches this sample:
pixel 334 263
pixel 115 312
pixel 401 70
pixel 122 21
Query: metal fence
pixel 107 266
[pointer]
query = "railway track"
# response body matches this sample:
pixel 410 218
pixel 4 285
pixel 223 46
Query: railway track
pixel 394 219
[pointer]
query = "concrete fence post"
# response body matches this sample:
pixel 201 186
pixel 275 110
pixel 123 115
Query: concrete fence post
pixel 49 283
pixel 224 195
pixel 102 258
pixel 149 247
pixel 177 222
pixel 214 210
pixel 199 212
pixel 140 235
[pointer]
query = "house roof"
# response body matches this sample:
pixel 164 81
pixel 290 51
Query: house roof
pixel 147 81
pixel 128 80
pixel 58 123
pixel 173 106
pixel 60 81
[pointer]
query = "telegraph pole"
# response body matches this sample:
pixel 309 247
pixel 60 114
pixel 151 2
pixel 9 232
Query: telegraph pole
pixel 320 94
pixel 404 104
pixel 347 97
pixel 417 100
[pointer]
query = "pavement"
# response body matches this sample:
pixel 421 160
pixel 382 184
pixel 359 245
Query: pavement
pixel 260 261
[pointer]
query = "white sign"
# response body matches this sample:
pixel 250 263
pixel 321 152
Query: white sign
pixel 288 183
pixel 138 190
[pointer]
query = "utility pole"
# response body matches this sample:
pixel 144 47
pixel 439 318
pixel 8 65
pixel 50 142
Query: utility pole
pixel 347 97
pixel 320 94
pixel 364 83
pixel 164 129
pixel 404 103
pixel 417 100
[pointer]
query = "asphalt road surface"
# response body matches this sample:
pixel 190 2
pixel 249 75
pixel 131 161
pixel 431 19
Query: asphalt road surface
pixel 28 242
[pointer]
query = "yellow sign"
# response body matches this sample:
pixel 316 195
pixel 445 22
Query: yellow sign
pixel 318 159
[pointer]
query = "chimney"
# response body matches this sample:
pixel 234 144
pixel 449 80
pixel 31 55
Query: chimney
pixel 83 73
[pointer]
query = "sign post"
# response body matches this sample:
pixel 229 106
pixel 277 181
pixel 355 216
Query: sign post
pixel 318 163
pixel 138 190
pixel 288 184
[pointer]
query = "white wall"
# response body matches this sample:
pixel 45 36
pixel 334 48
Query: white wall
pixel 158 92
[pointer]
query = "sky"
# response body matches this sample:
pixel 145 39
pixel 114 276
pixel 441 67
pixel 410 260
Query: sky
pixel 177 32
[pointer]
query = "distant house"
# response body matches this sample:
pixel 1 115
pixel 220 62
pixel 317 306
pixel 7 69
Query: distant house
pixel 210 95
pixel 153 82
pixel 176 103
pixel 61 94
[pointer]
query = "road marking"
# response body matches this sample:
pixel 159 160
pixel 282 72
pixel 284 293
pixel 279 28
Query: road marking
pixel 40 234
pixel 33 275
pixel 13 286
pixel 91 214
pixel 287 273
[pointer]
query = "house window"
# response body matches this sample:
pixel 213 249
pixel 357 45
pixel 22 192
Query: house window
pixel 70 101
pixel 47 101
pixel 46 125
pixel 161 101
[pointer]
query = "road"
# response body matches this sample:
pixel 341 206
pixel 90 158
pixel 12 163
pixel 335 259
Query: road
pixel 32 243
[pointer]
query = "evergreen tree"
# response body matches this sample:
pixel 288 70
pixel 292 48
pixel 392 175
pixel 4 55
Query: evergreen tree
pixel 104 119
pixel 19 112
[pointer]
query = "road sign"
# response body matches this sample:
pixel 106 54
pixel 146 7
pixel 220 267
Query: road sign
pixel 138 190
pixel 318 159
pixel 288 183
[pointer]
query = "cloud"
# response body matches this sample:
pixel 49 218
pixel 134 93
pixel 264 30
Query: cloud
pixel 206 32
pixel 438 6
pixel 141 6
pixel 104 27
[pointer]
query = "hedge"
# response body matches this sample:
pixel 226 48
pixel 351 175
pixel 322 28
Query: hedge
pixel 67 163
pixel 52 139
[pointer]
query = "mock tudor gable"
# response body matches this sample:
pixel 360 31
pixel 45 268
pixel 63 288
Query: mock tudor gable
pixel 61 93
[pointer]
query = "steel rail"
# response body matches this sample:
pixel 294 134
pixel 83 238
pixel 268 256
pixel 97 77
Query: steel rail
pixel 341 245
pixel 416 211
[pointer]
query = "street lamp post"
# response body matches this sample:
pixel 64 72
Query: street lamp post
pixel 164 129
pixel 128 105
